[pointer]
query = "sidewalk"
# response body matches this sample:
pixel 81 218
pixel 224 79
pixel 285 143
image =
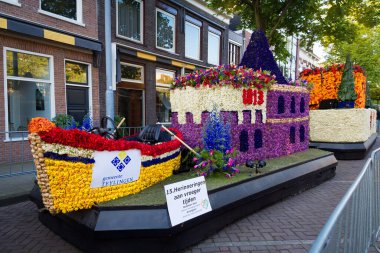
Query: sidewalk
pixel 16 188
pixel 287 226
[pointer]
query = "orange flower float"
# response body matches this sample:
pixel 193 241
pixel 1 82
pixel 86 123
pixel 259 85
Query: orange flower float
pixel 326 82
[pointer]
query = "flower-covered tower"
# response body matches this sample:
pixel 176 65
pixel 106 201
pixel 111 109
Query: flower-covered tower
pixel 258 56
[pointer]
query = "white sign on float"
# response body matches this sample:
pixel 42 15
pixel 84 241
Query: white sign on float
pixel 187 200
pixel 115 167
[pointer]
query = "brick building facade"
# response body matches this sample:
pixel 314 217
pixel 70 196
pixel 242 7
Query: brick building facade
pixel 48 67
pixel 154 41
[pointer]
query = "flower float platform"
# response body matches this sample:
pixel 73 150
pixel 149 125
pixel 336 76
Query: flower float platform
pixel 267 121
pixel 349 133
pixel 141 223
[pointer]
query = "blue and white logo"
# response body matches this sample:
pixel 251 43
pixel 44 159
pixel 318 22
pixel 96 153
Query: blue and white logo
pixel 121 161
pixel 115 161
pixel 115 167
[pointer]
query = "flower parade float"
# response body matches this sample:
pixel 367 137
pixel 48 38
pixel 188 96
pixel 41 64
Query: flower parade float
pixel 233 115
pixel 339 121
pixel 76 169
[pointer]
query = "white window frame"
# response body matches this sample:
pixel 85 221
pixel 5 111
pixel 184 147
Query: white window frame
pixel 235 44
pixel 141 41
pixel 133 80
pixel 164 85
pixel 78 21
pixel 174 32
pixel 12 2
pixel 6 78
pixel 199 33
pixel 89 83
pixel 208 47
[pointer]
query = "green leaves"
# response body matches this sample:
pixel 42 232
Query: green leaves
pixel 330 21
pixel 364 51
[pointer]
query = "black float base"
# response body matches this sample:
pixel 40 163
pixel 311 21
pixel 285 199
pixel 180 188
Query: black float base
pixel 347 151
pixel 148 228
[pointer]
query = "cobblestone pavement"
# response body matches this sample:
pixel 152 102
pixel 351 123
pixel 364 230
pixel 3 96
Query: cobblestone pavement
pixel 287 226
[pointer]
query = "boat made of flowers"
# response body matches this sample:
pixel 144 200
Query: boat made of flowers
pixel 76 169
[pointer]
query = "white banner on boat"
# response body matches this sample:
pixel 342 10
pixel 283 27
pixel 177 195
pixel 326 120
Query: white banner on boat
pixel 187 199
pixel 115 167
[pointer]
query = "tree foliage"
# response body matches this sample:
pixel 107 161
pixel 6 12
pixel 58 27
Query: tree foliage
pixel 329 21
pixel 364 51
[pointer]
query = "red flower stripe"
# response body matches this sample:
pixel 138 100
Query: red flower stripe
pixel 81 139
pixel 333 68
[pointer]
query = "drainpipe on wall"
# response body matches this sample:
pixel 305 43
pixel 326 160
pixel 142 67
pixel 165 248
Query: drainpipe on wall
pixel 108 51
pixel 297 59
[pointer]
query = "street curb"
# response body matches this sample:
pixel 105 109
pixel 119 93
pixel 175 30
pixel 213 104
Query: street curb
pixel 14 199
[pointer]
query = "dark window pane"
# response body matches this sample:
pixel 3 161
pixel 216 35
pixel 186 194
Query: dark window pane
pixel 293 105
pixel 165 31
pixel 77 102
pixel 302 105
pixel 292 135
pixel 130 106
pixel 129 18
pixel 65 8
pixel 258 135
pixel 131 72
pixel 76 73
pixel 281 105
pixel 244 146
pixel 27 65
pixel 302 133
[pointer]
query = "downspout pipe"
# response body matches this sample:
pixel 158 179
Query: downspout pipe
pixel 108 52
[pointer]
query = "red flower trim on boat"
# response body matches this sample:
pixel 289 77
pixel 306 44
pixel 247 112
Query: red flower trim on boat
pixel 80 139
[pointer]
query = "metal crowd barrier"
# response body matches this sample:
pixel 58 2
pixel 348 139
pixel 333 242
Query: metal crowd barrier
pixel 354 225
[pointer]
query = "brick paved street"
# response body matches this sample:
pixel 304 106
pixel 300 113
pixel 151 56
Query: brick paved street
pixel 288 226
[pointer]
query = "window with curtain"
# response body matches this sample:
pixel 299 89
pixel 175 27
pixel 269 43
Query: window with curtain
pixel 164 78
pixel 165 30
pixel 130 19
pixel 28 82
pixel 213 48
pixel 192 41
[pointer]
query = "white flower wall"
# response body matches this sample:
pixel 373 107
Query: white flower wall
pixel 342 125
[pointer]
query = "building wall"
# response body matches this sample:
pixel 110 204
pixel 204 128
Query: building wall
pixel 59 53
pixel 307 59
pixel 149 41
pixel 149 46
pixel 29 11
